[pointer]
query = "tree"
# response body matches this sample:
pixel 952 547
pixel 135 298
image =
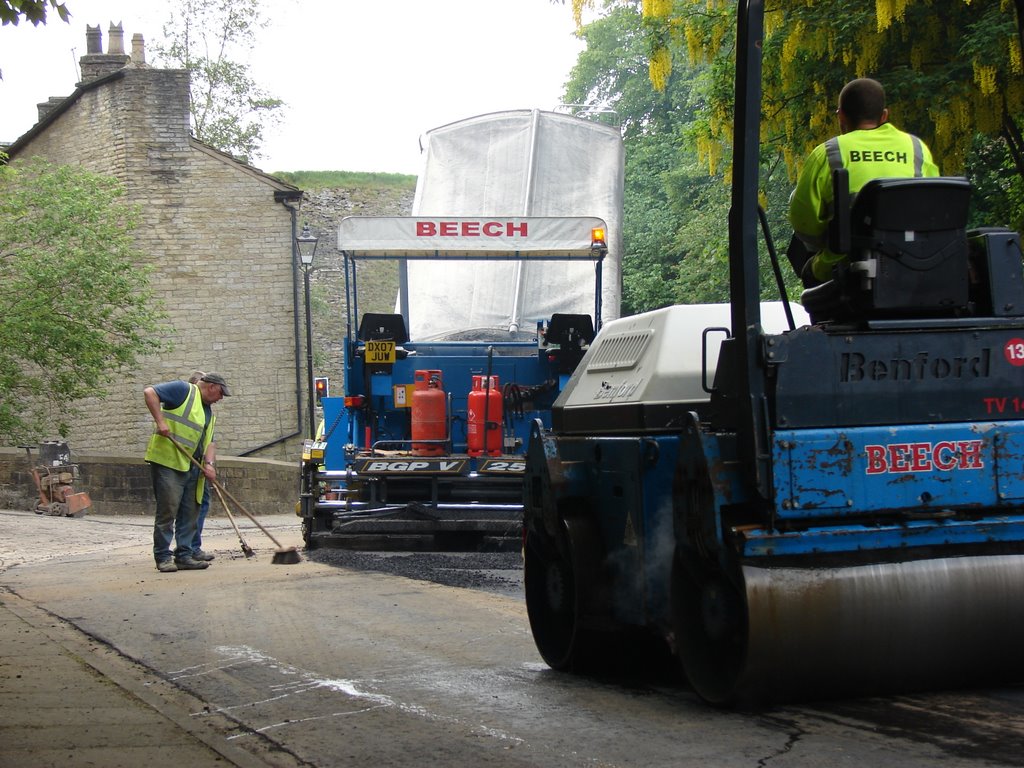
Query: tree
pixel 76 307
pixel 229 110
pixel 998 197
pixel 675 230
pixel 952 69
pixel 35 11
pixel 612 74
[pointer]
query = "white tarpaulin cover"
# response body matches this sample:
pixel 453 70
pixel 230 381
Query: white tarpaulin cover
pixel 524 163
pixel 453 237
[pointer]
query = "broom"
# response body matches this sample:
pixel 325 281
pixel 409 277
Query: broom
pixel 283 555
pixel 246 549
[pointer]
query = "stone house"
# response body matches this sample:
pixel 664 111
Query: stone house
pixel 219 237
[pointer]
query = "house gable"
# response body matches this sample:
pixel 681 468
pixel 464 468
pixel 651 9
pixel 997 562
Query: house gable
pixel 218 237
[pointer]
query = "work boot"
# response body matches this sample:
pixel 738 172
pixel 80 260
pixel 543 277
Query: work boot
pixel 166 566
pixel 188 564
pixel 201 555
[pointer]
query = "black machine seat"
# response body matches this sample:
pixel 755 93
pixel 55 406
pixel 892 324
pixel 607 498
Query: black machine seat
pixel 572 334
pixel 383 327
pixel 907 249
pixel 570 330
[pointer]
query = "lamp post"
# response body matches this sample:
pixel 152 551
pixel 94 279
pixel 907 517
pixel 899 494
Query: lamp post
pixel 306 242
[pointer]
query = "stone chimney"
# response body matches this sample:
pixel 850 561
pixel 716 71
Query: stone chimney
pixel 95 63
pixel 116 37
pixel 46 107
pixel 138 50
pixel 93 39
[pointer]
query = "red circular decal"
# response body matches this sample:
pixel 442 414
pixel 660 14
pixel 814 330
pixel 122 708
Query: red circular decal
pixel 1014 351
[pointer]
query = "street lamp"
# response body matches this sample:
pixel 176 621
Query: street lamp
pixel 306 243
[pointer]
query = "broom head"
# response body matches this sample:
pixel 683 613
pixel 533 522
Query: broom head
pixel 286 556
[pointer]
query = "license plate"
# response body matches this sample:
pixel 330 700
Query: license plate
pixel 380 352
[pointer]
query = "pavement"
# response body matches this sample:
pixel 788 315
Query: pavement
pixel 68 699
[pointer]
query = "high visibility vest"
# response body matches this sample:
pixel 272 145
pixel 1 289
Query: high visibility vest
pixel 186 425
pixel 882 152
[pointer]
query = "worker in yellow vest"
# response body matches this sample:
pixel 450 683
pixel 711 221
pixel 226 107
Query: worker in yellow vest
pixel 869 147
pixel 183 414
pixel 198 553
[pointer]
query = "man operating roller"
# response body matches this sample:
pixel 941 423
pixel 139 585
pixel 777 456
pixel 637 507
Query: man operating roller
pixel 869 147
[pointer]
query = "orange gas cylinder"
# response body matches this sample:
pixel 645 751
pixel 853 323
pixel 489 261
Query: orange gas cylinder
pixel 428 413
pixel 484 410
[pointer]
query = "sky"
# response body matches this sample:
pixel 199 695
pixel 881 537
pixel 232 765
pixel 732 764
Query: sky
pixel 362 80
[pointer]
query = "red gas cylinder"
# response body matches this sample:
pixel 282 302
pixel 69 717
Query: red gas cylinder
pixel 428 413
pixel 484 409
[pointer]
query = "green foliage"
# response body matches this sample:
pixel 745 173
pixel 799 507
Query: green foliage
pixel 649 226
pixel 77 309
pixel 612 74
pixel 998 198
pixel 229 110
pixel 675 214
pixel 11 12
pixel 34 11
pixel 314 180
pixel 952 70
pixel 700 204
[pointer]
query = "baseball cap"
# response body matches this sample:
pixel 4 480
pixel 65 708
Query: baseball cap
pixel 216 378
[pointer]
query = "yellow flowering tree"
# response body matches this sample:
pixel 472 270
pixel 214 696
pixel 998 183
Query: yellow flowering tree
pixel 675 211
pixel 952 68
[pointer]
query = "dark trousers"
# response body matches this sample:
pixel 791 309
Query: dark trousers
pixel 176 511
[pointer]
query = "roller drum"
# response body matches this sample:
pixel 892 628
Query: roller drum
pixel 938 623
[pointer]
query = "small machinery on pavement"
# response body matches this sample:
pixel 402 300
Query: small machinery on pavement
pixel 55 476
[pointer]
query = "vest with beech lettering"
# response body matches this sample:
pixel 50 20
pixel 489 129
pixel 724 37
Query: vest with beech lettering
pixel 876 153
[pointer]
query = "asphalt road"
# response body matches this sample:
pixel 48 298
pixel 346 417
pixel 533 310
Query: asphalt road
pixel 422 660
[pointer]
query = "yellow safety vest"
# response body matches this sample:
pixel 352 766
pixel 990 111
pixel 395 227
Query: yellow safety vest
pixel 186 425
pixel 882 152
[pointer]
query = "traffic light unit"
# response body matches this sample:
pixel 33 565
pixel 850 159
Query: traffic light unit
pixel 322 387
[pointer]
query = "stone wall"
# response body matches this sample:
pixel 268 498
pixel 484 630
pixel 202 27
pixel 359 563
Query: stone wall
pixel 121 485
pixel 217 239
pixel 216 235
pixel 377 280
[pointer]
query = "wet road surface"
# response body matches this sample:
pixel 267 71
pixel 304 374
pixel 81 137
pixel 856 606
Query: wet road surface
pixel 423 660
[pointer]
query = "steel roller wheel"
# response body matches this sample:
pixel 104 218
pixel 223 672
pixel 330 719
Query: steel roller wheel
pixel 710 623
pixel 882 627
pixel 558 574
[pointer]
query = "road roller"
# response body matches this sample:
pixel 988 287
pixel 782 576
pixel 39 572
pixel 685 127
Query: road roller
pixel 798 508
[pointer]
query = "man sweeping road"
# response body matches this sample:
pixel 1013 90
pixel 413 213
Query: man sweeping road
pixel 183 414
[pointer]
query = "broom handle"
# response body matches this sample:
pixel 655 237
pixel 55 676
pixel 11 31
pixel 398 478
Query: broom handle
pixel 227 493
pixel 231 517
pixel 247 513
